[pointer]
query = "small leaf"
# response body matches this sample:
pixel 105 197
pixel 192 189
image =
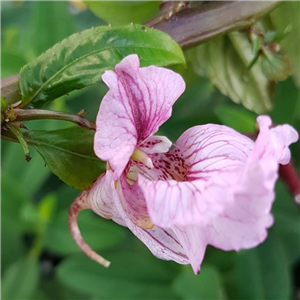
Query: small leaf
pixel 20 280
pixel 225 62
pixel 207 285
pixel 97 232
pixel 80 60
pixel 124 12
pixel 276 66
pixel 68 153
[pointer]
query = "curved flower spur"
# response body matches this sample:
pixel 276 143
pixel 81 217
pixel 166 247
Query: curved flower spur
pixel 214 186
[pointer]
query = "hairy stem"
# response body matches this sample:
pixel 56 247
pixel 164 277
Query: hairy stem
pixel 38 114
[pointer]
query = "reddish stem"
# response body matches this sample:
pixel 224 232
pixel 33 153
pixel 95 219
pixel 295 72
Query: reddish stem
pixel 79 204
pixel 291 179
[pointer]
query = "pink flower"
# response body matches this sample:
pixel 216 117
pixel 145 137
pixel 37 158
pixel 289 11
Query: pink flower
pixel 214 186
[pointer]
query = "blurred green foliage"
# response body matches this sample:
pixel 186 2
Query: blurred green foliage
pixel 39 258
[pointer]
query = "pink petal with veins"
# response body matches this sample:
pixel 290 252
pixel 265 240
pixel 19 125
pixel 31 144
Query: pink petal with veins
pixel 163 243
pixel 227 198
pixel 101 197
pixel 133 203
pixel 139 100
pixel 274 142
pixel 205 152
pixel 171 203
pixel 194 242
pixel 105 200
pixel 155 144
pixel 244 222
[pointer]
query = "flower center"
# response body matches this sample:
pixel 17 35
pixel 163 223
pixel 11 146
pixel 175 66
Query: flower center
pixel 142 157
pixel 172 166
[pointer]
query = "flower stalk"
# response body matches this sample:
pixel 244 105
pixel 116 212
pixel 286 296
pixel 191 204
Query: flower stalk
pixel 291 179
pixel 39 114
pixel 79 204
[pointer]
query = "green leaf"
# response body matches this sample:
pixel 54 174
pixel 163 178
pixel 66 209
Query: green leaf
pixel 205 286
pixel 68 153
pixel 287 16
pixel 236 117
pixel 124 12
pixel 225 62
pixel 263 272
pixel 20 280
pixel 79 60
pixel 135 275
pixel 97 232
pixel 276 66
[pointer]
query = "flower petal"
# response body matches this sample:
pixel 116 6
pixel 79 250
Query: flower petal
pixel 228 201
pixel 274 142
pixel 133 203
pixel 210 149
pixel 201 155
pixel 194 241
pixel 172 203
pixel 139 100
pixel 243 223
pixel 101 197
pixel 161 242
pixel 155 144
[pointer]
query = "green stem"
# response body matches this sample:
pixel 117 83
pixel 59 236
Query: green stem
pixel 39 114
pixel 18 134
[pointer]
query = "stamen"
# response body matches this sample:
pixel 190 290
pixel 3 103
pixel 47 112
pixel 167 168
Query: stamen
pixel 132 175
pixel 142 157
pixel 79 204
